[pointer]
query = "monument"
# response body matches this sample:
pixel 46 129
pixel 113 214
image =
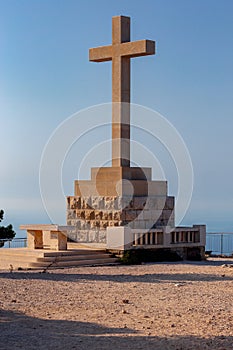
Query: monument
pixel 121 207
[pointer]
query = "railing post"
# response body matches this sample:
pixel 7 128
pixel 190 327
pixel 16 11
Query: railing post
pixel 221 244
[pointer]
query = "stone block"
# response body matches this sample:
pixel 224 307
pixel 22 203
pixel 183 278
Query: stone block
pixel 117 215
pixel 81 188
pixel 136 188
pixel 74 202
pixel 119 238
pixel 105 215
pixel 149 224
pixel 80 214
pixel 123 202
pixel 156 215
pixel 94 224
pixel 147 214
pixel 103 224
pixel 139 202
pixel 141 224
pixel 97 202
pixel 166 214
pixel 93 236
pixel 109 203
pixel 157 188
pixel 98 215
pixel 131 224
pixel 102 236
pixel 71 214
pixel 83 225
pixel 170 203
pixel 91 215
pixel 86 203
pixel 82 236
pixel 87 214
pixel 117 173
pixel 73 222
pixel 76 224
pixel 130 215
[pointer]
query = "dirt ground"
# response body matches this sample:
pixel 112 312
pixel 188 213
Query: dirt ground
pixel 153 306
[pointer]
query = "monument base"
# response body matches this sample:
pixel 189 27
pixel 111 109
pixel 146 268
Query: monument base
pixel 122 208
pixel 92 215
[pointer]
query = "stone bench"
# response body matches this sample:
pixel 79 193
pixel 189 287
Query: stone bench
pixel 52 237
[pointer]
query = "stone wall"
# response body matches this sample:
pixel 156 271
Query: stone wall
pixel 92 215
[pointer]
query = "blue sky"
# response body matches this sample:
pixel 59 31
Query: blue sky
pixel 45 77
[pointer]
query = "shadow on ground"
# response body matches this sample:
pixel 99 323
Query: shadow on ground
pixel 19 331
pixel 97 275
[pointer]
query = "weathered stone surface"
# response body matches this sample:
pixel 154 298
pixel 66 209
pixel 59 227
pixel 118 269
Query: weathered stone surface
pixel 102 236
pixel 98 212
pixel 139 202
pixel 98 215
pixel 130 215
pixel 98 203
pixel 71 214
pixel 116 215
pixel 110 203
pixel 82 236
pixel 93 236
pixel 86 203
pixel 104 224
pixel 105 215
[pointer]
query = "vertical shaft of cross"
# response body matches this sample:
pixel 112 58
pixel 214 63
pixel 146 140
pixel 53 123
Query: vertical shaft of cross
pixel 120 93
pixel 120 52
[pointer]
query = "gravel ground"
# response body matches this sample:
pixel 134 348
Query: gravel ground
pixel 153 306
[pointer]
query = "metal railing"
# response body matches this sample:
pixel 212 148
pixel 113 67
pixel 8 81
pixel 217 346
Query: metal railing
pixel 219 243
pixel 13 243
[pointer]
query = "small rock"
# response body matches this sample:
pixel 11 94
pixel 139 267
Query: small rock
pixel 179 284
pixel 124 311
pixel 125 301
pixel 223 275
pixel 173 325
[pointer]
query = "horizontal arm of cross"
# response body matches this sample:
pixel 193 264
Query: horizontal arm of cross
pixel 100 54
pixel 128 49
pixel 137 48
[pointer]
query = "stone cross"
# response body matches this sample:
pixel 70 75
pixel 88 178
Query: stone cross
pixel 120 52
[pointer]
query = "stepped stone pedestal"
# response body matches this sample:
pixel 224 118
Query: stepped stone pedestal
pixel 118 196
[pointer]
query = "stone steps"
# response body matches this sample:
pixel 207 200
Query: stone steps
pixel 42 259
pixel 89 262
pixel 74 257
